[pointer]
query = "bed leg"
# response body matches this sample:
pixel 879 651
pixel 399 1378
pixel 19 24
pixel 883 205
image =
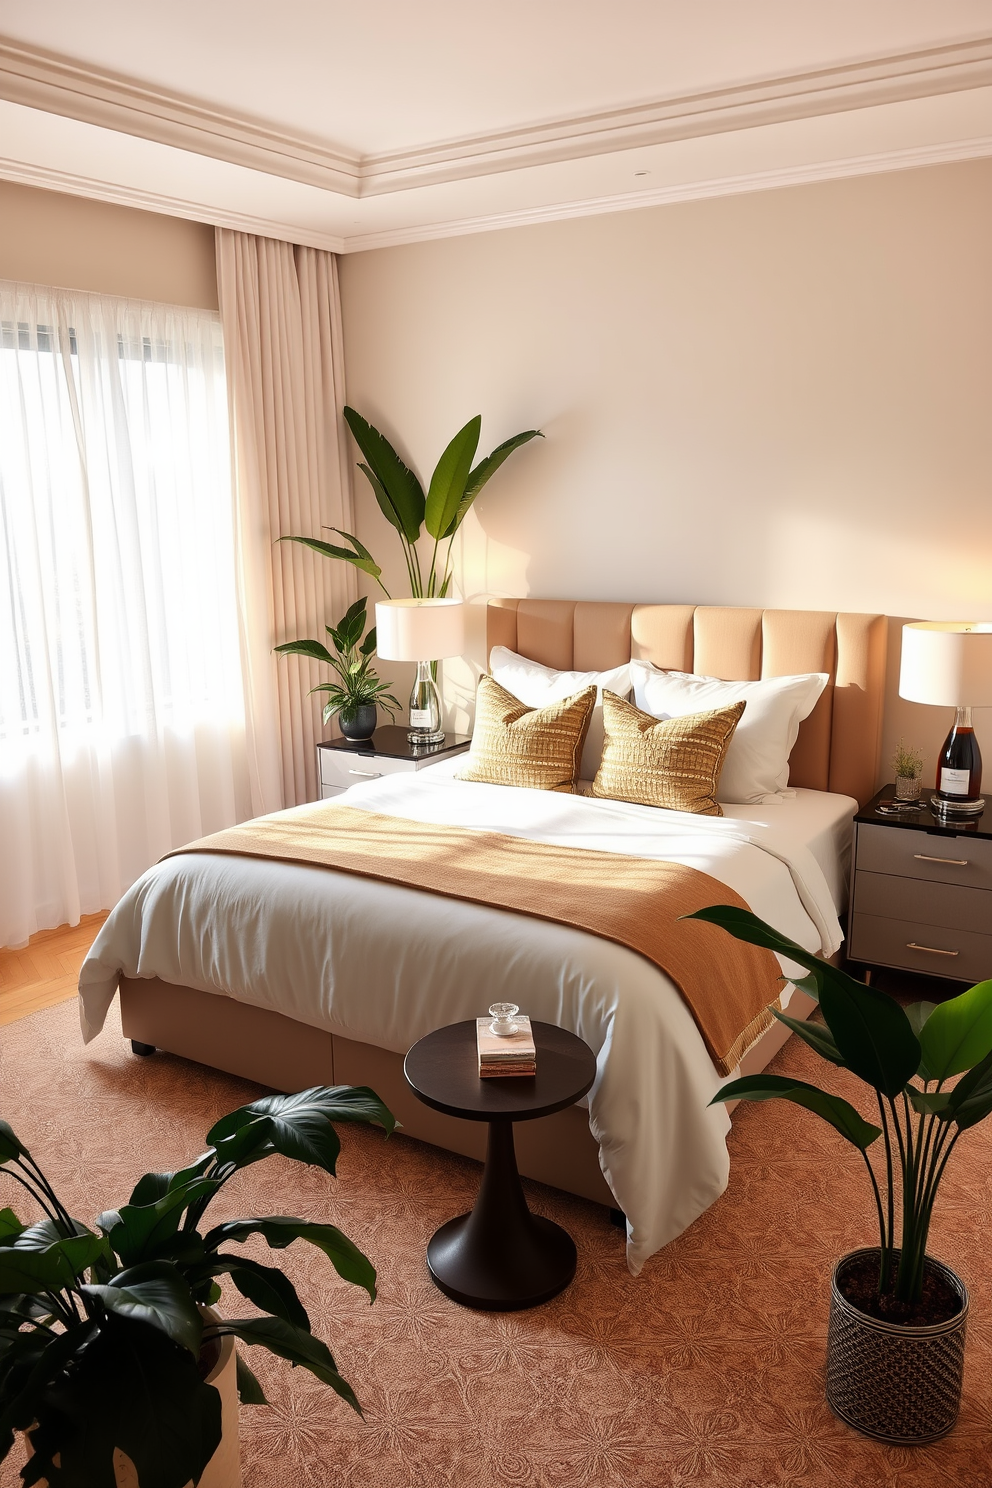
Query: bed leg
pixel 618 1218
pixel 137 1047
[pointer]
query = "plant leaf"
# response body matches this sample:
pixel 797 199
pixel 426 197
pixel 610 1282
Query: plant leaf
pixel 266 1286
pixel 132 1389
pixel 154 1293
pixel 298 1346
pixel 313 649
pixel 301 1124
pixel 971 1099
pixel 450 476
pixel 401 488
pixel 872 1033
pixel 814 1034
pixel 280 1230
pixel 250 1391
pixel 840 1114
pixel 918 1013
pixel 51 1268
pixel 142 1232
pixel 958 1033
pixel 10 1144
pixel 361 559
pixel 484 472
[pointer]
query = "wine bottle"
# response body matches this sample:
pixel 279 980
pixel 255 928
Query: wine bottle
pixel 959 763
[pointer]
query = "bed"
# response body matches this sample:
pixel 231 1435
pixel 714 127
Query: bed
pixel 292 975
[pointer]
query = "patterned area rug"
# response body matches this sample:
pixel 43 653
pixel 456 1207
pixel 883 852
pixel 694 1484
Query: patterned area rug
pixel 707 1369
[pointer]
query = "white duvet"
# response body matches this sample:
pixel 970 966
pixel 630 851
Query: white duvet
pixel 384 964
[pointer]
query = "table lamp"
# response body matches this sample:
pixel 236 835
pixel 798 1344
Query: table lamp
pixel 948 663
pixel 421 630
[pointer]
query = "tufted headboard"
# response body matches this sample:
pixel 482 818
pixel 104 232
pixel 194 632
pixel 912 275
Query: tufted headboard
pixel 838 745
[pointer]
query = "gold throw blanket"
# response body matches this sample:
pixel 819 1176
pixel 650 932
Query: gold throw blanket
pixel 728 986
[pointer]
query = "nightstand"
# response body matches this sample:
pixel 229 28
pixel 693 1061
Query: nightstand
pixel 921 892
pixel 344 762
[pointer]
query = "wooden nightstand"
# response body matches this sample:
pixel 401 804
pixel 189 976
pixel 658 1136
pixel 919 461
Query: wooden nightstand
pixel 921 893
pixel 344 762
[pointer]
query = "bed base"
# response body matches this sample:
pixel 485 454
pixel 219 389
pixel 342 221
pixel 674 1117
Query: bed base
pixel 280 1052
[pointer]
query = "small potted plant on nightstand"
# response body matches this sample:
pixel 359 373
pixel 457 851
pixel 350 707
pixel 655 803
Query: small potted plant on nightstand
pixel 895 1348
pixel 359 693
pixel 908 765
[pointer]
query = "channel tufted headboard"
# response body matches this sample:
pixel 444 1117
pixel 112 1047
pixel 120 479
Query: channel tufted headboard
pixel 838 745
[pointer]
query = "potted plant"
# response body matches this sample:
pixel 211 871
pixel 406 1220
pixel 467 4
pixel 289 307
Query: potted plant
pixel 111 1360
pixel 895 1348
pixel 908 765
pixel 359 692
pixel 455 484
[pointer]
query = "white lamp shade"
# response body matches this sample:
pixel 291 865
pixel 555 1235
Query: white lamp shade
pixel 419 629
pixel 947 663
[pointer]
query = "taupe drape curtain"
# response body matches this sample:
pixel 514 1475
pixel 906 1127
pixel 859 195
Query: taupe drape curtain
pixel 281 314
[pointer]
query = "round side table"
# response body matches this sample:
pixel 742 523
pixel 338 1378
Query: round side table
pixel 501 1257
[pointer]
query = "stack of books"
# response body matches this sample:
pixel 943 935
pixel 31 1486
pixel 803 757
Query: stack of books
pixel 506 1054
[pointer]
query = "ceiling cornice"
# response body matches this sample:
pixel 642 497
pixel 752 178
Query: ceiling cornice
pixel 108 191
pixel 59 85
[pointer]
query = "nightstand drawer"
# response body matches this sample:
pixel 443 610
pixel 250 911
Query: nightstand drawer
pixel 906 899
pixel 344 767
pixel 925 855
pixel 959 954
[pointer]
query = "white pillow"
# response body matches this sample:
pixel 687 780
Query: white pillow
pixel 538 685
pixel 757 764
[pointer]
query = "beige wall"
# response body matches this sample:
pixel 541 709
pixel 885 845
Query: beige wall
pixel 47 237
pixel 777 399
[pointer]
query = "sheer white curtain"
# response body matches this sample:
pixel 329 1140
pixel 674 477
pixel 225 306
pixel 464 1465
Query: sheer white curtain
pixel 122 711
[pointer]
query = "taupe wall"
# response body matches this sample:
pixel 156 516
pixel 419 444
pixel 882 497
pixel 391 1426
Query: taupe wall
pixel 777 399
pixel 47 237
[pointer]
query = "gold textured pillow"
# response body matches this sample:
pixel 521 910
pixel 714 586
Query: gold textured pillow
pixel 674 764
pixel 536 747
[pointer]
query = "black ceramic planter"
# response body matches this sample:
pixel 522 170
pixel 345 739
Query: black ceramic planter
pixel 360 724
pixel 892 1382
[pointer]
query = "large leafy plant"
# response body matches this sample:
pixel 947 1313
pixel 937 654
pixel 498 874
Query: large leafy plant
pixel 101 1329
pixel 453 487
pixel 909 1059
pixel 352 660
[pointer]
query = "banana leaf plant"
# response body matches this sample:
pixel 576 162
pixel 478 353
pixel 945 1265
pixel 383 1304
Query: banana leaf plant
pixel 352 660
pixel 909 1059
pixel 101 1329
pixel 453 487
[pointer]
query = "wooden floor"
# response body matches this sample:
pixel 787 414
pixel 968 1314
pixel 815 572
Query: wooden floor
pixel 45 971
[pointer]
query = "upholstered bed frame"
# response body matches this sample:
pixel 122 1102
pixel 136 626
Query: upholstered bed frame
pixel 837 750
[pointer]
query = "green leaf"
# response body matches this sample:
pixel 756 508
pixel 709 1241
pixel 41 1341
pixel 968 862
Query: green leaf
pixel 402 490
pixel 250 1391
pixel 814 1034
pixel 838 1112
pixel 279 1230
pixel 266 1286
pixel 30 1365
pixel 872 1033
pixel 971 1099
pixel 10 1226
pixel 362 560
pixel 368 645
pixel 299 1126
pixel 10 1145
pixel 932 1103
pixel 52 1269
pixel 918 1013
pixel 154 1293
pixel 313 649
pixel 134 1389
pixel 958 1033
pixel 484 472
pixel 298 1346
pixel 143 1232
pixel 448 482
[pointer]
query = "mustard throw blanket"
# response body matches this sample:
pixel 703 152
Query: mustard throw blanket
pixel 728 986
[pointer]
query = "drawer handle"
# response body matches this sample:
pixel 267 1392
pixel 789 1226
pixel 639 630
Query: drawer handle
pixel 926 858
pixel 934 950
pixel 369 774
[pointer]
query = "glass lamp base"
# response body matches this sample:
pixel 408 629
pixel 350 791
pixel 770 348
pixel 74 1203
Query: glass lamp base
pixel 423 737
pixel 942 807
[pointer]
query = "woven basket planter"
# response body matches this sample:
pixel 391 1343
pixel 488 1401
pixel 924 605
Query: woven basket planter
pixel 893 1382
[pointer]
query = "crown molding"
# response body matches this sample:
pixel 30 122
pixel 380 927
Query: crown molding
pixel 803 175
pixel 170 206
pixel 909 159
pixel 58 85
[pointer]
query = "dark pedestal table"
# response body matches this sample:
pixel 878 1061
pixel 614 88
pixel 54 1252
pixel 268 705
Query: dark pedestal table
pixel 501 1257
